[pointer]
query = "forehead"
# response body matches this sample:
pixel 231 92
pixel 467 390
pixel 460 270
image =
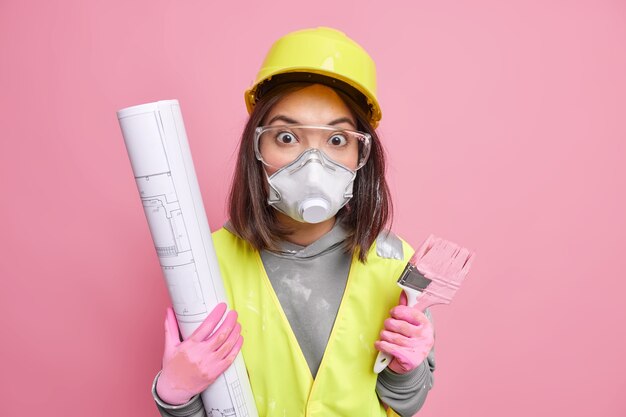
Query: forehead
pixel 314 104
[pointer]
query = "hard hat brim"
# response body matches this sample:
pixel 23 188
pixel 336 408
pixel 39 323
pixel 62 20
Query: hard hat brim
pixel 367 97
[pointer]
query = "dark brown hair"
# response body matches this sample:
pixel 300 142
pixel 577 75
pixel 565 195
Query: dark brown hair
pixel 364 216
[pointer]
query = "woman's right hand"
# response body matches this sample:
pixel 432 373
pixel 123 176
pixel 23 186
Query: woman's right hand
pixel 189 367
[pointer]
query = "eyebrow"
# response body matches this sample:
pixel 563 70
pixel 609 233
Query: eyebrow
pixel 293 121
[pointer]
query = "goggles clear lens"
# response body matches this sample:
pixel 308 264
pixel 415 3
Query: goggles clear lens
pixel 280 145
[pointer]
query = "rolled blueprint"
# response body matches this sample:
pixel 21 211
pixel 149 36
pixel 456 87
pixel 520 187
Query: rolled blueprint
pixel 159 153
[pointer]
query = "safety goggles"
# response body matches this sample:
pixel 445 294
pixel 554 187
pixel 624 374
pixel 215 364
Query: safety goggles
pixel 279 145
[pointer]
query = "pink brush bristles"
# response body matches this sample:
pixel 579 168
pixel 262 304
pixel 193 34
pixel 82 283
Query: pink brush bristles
pixel 445 263
pixel 438 257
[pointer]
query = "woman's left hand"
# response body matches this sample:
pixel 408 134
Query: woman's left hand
pixel 408 336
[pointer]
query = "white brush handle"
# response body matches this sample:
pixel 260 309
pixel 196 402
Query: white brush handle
pixel 384 359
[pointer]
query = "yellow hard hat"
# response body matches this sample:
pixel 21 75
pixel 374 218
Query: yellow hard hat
pixel 325 52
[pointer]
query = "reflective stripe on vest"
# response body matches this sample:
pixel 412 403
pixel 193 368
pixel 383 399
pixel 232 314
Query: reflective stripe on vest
pixel 280 377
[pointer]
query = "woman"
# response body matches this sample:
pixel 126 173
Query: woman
pixel 306 262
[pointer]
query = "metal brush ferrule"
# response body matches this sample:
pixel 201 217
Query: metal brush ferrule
pixel 413 278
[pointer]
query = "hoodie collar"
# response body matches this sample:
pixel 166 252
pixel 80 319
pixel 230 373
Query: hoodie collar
pixel 335 237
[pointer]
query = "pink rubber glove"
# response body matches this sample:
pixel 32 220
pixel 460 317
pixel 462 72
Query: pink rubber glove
pixel 408 336
pixel 189 367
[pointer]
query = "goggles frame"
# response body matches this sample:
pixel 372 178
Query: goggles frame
pixel 362 137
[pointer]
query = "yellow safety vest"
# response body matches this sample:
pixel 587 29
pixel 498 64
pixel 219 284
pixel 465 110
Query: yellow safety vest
pixel 280 377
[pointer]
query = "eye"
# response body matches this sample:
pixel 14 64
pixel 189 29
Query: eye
pixel 338 140
pixel 286 138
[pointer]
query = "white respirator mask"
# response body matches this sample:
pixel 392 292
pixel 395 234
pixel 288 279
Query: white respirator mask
pixel 311 189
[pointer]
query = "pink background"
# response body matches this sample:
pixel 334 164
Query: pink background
pixel 505 127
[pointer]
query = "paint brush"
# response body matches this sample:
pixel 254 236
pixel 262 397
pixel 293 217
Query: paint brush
pixel 432 276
